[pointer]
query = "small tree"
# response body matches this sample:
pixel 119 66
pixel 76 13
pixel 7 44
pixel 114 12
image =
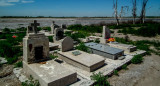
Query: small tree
pixel 143 11
pixel 134 10
pixel 115 11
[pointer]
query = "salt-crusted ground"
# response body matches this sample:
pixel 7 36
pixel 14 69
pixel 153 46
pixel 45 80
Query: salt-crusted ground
pixel 24 22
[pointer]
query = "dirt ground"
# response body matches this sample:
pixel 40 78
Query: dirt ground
pixel 145 74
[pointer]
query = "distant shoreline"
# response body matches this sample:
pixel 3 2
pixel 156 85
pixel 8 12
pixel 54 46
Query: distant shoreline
pixel 14 23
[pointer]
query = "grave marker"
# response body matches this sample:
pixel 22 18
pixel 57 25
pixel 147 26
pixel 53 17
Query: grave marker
pixel 67 44
pixel 34 25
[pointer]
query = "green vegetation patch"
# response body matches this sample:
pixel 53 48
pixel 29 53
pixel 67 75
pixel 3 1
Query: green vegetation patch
pixel 50 38
pixel 100 79
pixel 18 64
pixel 89 29
pixel 53 56
pixel 31 82
pixel 148 30
pixel 82 47
pixel 115 72
pixel 75 36
pixel 137 59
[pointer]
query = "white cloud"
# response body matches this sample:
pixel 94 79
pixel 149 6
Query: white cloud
pixel 14 2
pixel 27 1
pixel 4 3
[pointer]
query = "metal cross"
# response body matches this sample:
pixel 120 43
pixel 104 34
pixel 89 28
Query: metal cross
pixel 34 25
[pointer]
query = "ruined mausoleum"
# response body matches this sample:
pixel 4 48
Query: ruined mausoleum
pixel 35 45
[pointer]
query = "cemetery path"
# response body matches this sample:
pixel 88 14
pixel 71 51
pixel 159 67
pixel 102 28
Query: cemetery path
pixel 145 74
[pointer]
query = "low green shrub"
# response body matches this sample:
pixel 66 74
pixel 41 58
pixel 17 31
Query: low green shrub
pixel 89 29
pixel 97 41
pixel 47 28
pixel 149 30
pixel 124 66
pixel 77 35
pixel 50 38
pixel 12 60
pixel 31 82
pixel 82 47
pixel 137 59
pixel 52 56
pixel 18 64
pixel 116 72
pixel 6 30
pixel 100 79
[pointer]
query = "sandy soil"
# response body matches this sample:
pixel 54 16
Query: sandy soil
pixel 145 74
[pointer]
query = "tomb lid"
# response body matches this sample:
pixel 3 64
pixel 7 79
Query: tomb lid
pixel 103 48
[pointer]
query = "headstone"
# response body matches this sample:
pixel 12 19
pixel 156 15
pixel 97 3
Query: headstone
pixel 53 26
pixel 105 35
pixel 59 34
pixel 29 30
pixel 63 26
pixel 34 25
pixel 106 32
pixel 67 44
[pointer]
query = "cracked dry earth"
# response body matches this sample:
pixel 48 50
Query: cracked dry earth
pixel 144 74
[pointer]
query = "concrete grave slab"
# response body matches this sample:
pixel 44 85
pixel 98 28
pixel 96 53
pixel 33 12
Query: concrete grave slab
pixel 105 50
pixel 85 61
pixel 50 74
pixel 107 69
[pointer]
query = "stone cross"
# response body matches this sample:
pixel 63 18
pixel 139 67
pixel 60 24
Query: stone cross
pixel 34 25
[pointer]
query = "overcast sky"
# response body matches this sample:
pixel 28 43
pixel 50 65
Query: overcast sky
pixel 78 8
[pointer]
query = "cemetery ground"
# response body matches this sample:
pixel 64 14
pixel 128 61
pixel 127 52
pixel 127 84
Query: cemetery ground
pixel 143 74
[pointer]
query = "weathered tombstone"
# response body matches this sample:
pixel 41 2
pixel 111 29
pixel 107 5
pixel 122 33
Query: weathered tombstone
pixel 105 35
pixel 63 26
pixel 59 34
pixel 53 26
pixel 106 32
pixel 29 30
pixel 67 44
